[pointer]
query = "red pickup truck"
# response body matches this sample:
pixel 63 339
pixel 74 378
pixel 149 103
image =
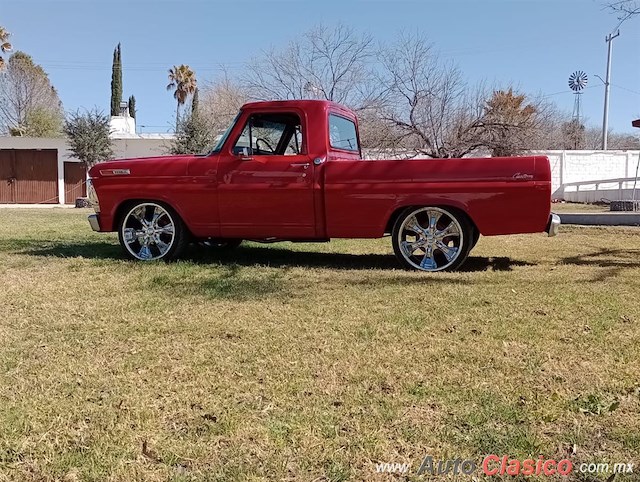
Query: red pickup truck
pixel 292 170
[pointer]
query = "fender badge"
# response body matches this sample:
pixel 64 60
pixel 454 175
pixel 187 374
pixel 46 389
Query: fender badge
pixel 519 176
pixel 115 172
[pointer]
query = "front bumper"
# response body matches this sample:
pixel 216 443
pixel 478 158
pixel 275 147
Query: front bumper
pixel 553 226
pixel 93 222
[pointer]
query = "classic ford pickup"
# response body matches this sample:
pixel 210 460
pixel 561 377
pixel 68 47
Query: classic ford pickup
pixel 292 170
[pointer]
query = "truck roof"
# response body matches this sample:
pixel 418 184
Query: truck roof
pixel 304 104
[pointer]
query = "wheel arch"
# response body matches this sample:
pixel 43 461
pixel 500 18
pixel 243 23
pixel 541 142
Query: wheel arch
pixel 121 210
pixel 397 212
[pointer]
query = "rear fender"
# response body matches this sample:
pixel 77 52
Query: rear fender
pixel 395 212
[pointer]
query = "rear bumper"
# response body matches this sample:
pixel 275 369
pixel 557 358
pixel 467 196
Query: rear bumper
pixel 553 226
pixel 93 222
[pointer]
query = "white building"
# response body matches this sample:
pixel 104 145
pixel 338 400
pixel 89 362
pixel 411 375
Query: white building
pixel 123 125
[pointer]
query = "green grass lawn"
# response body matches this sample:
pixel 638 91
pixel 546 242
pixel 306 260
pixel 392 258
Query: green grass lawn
pixel 310 362
pixel 579 208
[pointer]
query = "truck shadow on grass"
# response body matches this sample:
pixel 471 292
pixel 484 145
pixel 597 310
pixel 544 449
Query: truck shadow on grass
pixel 89 250
pixel 607 258
pixel 612 261
pixel 279 257
pixel 259 255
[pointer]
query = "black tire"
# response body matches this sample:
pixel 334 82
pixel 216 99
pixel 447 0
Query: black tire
pixel 220 244
pixel 160 216
pixel 474 240
pixel 440 247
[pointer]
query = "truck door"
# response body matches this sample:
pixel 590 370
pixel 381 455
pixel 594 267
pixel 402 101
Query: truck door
pixel 265 181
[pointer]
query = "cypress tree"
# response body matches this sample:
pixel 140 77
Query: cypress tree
pixel 116 82
pixel 132 106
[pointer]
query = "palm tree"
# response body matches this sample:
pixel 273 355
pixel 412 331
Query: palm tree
pixel 5 46
pixel 182 80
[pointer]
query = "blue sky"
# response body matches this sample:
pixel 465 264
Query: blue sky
pixel 532 44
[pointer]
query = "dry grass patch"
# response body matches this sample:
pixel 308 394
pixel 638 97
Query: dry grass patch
pixel 579 208
pixel 309 362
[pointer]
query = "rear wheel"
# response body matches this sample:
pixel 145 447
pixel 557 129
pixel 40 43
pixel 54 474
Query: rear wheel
pixel 150 231
pixel 432 238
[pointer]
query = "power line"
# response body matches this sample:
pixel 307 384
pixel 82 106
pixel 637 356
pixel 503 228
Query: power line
pixel 568 91
pixel 624 88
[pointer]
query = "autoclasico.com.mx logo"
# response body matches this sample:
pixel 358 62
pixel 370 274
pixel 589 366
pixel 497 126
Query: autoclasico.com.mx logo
pixel 504 465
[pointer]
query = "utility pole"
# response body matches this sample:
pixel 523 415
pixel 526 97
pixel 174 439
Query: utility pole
pixel 607 87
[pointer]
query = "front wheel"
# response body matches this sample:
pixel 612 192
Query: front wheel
pixel 151 231
pixel 432 238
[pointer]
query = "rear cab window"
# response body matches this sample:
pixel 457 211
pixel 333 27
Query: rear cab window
pixel 343 134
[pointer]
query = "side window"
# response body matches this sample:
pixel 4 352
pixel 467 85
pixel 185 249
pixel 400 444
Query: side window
pixel 270 135
pixel 343 133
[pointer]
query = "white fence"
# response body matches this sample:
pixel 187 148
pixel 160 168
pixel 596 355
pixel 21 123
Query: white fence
pixel 590 176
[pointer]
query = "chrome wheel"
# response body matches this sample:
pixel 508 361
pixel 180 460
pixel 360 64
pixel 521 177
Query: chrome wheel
pixel 431 239
pixel 148 231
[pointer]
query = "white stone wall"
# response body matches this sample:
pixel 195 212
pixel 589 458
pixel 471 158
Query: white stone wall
pixel 584 166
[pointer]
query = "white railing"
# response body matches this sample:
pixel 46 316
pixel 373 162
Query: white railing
pixel 621 188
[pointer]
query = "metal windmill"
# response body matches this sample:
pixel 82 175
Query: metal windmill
pixel 577 82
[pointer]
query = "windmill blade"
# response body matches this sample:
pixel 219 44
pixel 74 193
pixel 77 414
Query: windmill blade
pixel 578 80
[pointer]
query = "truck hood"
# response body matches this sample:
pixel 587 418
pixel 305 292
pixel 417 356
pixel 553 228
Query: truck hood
pixel 160 166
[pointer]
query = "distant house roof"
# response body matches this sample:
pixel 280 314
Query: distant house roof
pixel 145 135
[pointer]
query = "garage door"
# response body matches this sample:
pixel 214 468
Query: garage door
pixel 75 175
pixel 29 176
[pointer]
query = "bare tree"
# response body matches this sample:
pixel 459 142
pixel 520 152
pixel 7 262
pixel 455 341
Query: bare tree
pixel 408 100
pixel 426 101
pixel 24 90
pixel 624 141
pixel 573 135
pixel 592 138
pixel 624 8
pixel 435 113
pixel 220 102
pixel 324 63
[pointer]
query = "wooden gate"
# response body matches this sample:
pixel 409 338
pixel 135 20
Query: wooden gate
pixel 75 186
pixel 7 177
pixel 29 176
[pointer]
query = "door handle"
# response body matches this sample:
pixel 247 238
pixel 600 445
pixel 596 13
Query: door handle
pixel 304 165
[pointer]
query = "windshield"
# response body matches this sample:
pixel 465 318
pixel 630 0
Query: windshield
pixel 222 139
